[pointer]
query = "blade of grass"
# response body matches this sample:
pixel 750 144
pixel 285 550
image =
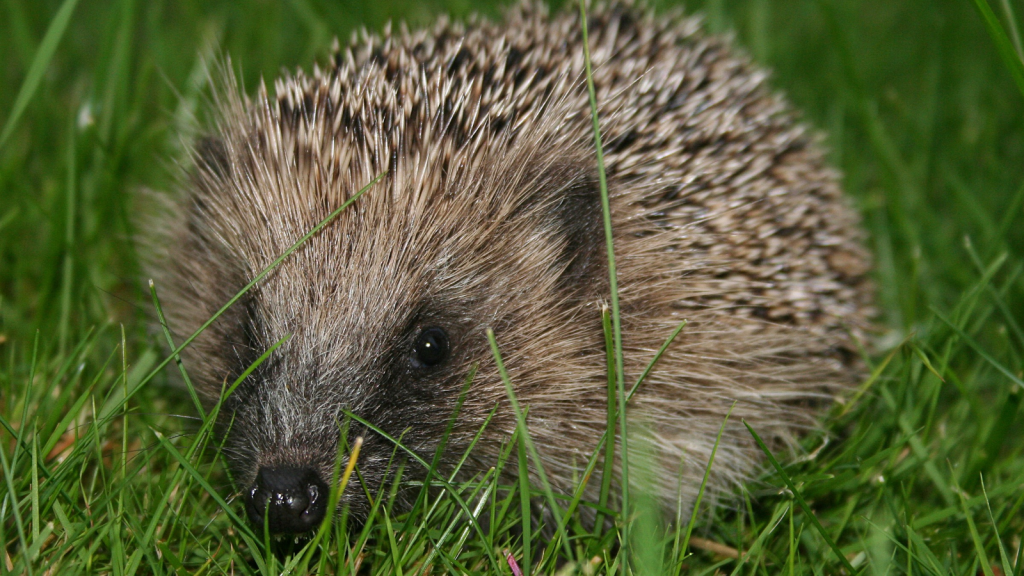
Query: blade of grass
pixel 12 497
pixel 69 241
pixel 199 445
pixel 336 490
pixel 605 435
pixel 940 515
pixel 996 294
pixel 248 371
pixel 926 561
pixel 609 439
pixel 40 63
pixel 451 479
pixel 654 360
pixel 124 423
pixel 423 495
pixel 8 218
pixel 483 499
pixel 1011 21
pixel 1003 44
pixel 750 556
pixel 26 394
pixel 444 483
pixel 527 441
pixel 613 282
pixel 700 493
pixel 262 274
pixel 436 546
pixel 1011 212
pixel 525 511
pixel 873 378
pixel 177 357
pixel 800 500
pixel 393 544
pixel 239 524
pixel 977 348
pixel 979 547
pixel 34 493
pixel 1007 568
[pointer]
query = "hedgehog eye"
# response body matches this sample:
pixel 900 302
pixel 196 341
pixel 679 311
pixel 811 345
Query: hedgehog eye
pixel 431 347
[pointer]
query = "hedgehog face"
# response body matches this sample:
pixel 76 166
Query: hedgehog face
pixel 389 332
pixel 401 371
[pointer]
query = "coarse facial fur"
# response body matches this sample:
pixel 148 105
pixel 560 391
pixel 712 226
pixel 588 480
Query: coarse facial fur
pixel 489 215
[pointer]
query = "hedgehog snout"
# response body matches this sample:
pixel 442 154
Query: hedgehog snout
pixel 287 500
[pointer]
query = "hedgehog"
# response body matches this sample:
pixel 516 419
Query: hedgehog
pixel 488 215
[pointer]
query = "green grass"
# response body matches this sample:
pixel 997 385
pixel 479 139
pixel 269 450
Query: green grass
pixel 919 471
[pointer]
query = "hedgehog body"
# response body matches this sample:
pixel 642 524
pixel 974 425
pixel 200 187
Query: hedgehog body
pixel 488 215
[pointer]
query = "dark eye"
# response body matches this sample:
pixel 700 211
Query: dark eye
pixel 431 347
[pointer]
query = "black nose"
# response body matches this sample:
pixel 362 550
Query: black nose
pixel 293 499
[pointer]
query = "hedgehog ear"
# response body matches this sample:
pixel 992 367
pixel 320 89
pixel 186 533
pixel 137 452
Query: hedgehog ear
pixel 211 156
pixel 579 221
